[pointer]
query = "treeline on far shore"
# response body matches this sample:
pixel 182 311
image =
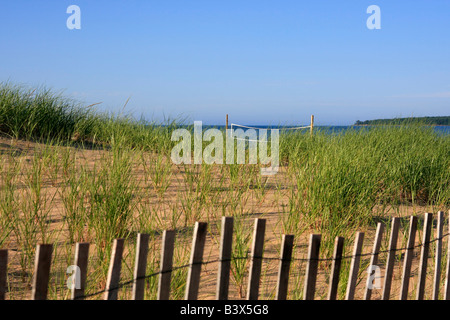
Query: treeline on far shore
pixel 438 121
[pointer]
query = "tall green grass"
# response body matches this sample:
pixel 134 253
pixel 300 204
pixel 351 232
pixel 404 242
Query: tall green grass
pixel 44 115
pixel 38 113
pixel 341 181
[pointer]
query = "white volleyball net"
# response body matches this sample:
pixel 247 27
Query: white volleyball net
pixel 235 126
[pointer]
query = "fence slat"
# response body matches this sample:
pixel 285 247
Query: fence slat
pixel 115 265
pixel 311 267
pixel 256 259
pixel 195 263
pixel 395 226
pixel 284 267
pixel 81 261
pixel 447 276
pixel 165 275
pixel 424 256
pixel 374 259
pixel 140 266
pixel 336 268
pixel 438 255
pixel 408 258
pixel 223 274
pixel 42 266
pixel 354 267
pixel 3 273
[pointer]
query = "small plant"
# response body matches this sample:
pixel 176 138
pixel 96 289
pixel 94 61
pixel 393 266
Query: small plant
pixel 240 255
pixel 160 172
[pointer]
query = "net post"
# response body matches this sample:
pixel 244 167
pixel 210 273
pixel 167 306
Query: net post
pixel 226 125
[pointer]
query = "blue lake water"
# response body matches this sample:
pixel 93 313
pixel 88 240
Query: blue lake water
pixel 330 129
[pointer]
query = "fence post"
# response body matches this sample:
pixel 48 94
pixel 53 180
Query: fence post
pixel 42 266
pixel 223 274
pixel 284 267
pixel 226 126
pixel 256 260
pixel 408 258
pixel 140 266
pixel 438 255
pixel 336 268
pixel 81 261
pixel 115 265
pixel 312 125
pixel 354 267
pixel 391 258
pixel 374 260
pixel 447 276
pixel 424 256
pixel 165 272
pixel 311 267
pixel 198 244
pixel 3 273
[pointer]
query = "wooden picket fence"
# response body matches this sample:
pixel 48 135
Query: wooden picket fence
pixel 44 256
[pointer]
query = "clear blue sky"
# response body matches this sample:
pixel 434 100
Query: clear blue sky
pixel 262 62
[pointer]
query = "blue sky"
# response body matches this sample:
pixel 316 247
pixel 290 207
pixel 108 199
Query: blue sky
pixel 262 62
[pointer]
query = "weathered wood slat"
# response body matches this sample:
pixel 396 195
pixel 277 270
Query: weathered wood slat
pixel 226 244
pixel 195 262
pixel 374 260
pixel 115 266
pixel 312 267
pixel 336 268
pixel 3 273
pixel 447 276
pixel 395 226
pixel 256 259
pixel 438 255
pixel 284 267
pixel 165 275
pixel 408 258
pixel 424 256
pixel 42 267
pixel 140 266
pixel 354 267
pixel 81 261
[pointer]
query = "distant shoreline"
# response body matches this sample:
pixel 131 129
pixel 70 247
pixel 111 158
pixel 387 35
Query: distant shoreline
pixel 387 124
pixel 431 121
